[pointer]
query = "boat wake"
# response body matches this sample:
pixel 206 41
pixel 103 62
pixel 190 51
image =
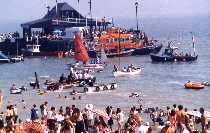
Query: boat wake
pixel 175 83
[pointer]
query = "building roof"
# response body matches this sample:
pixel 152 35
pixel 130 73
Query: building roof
pixel 60 8
pixel 64 15
pixel 53 14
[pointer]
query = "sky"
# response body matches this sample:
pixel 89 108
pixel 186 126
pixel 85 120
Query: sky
pixel 26 10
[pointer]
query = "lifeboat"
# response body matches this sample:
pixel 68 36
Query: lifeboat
pixel 196 86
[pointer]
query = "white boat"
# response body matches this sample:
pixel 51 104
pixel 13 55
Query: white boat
pixel 31 50
pixel 17 59
pixel 100 87
pixel 122 73
pixel 15 91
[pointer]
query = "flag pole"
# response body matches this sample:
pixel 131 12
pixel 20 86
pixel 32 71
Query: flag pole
pixel 78 10
pixel 193 42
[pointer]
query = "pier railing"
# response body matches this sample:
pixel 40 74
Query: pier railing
pixel 79 21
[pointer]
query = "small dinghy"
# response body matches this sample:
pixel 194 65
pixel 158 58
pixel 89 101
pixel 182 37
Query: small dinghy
pixel 196 86
pixel 127 73
pixel 15 90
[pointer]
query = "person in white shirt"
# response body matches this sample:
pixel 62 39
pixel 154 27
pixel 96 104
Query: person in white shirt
pixel 51 119
pixel 59 116
pixel 120 119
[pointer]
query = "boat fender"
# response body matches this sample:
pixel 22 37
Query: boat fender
pixel 97 89
pixel 85 89
pixel 105 88
pixel 112 87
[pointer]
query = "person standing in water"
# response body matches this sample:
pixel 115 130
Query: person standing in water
pixel 204 121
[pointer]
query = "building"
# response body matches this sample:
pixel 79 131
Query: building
pixel 60 17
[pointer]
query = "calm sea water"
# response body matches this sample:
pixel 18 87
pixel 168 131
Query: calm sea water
pixel 160 83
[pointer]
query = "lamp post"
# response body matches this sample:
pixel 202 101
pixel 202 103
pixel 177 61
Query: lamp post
pixel 91 26
pixel 137 21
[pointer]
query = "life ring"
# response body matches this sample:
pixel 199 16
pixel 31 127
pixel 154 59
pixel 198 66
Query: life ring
pixel 112 87
pixel 97 89
pixel 85 89
pixel 105 88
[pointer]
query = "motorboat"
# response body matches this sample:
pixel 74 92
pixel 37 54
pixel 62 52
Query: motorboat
pixel 127 73
pixel 17 59
pixel 14 90
pixel 170 55
pixel 196 86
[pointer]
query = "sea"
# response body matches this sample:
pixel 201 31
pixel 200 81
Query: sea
pixel 159 84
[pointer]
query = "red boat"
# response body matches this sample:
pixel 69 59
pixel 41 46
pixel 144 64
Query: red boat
pixel 196 86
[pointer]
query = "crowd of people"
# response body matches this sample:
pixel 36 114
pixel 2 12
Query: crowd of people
pixel 10 37
pixel 71 119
